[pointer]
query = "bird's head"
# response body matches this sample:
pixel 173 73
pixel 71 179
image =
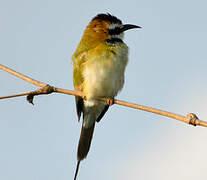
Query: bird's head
pixel 106 27
pixel 103 27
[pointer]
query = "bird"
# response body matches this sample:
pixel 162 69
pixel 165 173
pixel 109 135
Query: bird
pixel 99 64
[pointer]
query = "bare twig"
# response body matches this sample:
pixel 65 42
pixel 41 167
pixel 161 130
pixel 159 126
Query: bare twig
pixel 47 89
pixel 15 95
pixel 21 76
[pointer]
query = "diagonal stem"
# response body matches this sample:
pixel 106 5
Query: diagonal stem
pixel 21 76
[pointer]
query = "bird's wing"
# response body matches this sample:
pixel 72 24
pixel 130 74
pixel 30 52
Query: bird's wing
pixel 78 80
pixel 79 106
pixel 106 107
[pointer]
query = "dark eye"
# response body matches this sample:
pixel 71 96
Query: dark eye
pixel 115 31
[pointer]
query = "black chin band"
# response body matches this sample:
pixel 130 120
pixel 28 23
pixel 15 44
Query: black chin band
pixel 114 40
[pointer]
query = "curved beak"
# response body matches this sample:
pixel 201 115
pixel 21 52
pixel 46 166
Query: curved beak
pixel 129 26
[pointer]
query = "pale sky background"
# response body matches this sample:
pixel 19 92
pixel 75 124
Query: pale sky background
pixel 167 69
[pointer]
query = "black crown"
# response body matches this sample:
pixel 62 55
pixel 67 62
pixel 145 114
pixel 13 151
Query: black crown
pixel 107 17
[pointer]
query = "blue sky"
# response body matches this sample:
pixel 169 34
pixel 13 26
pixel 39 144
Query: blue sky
pixel 166 70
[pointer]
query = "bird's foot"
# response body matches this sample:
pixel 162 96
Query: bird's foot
pixel 110 101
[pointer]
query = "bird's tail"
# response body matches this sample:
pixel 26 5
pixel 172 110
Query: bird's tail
pixel 85 141
pixel 84 144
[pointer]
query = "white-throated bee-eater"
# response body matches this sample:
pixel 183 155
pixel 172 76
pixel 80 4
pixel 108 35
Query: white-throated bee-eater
pixel 99 64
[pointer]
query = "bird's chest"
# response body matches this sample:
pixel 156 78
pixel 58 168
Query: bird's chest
pixel 104 77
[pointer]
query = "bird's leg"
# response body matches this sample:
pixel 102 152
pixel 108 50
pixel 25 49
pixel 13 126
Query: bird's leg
pixel 84 97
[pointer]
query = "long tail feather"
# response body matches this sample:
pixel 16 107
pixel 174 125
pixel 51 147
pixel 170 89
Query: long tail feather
pixel 84 145
pixel 85 141
pixel 76 171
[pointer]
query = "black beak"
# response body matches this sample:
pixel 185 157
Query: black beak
pixel 129 26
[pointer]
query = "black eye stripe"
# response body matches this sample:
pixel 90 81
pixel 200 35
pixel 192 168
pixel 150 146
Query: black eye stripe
pixel 115 31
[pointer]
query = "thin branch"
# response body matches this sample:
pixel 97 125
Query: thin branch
pixel 191 118
pixel 15 95
pixel 21 76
